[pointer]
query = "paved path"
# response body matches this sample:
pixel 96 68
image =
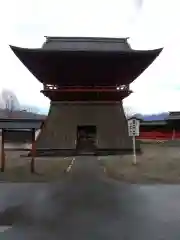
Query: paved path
pixel 88 205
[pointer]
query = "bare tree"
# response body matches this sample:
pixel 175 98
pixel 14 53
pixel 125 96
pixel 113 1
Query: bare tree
pixel 128 111
pixel 10 100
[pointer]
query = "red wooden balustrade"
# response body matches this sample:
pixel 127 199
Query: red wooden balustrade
pixel 159 135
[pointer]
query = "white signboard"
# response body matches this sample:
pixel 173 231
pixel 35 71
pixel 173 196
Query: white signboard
pixel 133 127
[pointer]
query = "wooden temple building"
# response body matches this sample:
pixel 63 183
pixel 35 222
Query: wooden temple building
pixel 86 80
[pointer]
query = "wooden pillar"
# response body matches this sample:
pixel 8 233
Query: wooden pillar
pixel 33 151
pixel 173 134
pixel 2 153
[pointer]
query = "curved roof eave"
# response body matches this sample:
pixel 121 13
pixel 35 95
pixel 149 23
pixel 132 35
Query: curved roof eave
pixel 16 49
pixel 35 58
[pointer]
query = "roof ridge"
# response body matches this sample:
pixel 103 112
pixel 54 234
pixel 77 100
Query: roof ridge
pixel 86 39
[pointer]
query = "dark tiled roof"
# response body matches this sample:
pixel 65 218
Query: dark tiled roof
pixel 6 114
pixel 86 44
pixel 85 68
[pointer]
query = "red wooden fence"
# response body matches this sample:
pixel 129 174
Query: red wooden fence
pixel 159 135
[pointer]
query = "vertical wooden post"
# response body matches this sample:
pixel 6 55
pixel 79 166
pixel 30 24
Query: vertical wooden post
pixel 33 151
pixel 2 152
pixel 173 134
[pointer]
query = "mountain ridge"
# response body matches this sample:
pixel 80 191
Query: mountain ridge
pixel 7 114
pixel 153 117
pixel 24 114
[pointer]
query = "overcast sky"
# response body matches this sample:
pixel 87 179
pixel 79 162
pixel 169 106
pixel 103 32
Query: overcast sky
pixel 149 24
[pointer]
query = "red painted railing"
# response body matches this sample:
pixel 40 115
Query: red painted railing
pixel 159 135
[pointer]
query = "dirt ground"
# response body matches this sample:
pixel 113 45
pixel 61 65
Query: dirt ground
pixel 159 163
pixel 17 168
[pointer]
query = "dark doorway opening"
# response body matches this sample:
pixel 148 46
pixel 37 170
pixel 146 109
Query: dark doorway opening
pixel 86 138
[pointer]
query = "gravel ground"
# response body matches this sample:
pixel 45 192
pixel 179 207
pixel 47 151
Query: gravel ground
pixel 17 169
pixel 158 163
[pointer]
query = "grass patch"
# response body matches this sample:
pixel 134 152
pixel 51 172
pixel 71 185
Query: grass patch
pixel 45 171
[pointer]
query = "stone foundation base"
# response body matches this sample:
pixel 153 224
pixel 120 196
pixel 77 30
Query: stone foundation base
pixel 59 133
pixel 69 153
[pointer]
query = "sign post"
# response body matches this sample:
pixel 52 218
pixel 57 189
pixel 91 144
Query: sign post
pixel 134 150
pixel 33 151
pixel 133 129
